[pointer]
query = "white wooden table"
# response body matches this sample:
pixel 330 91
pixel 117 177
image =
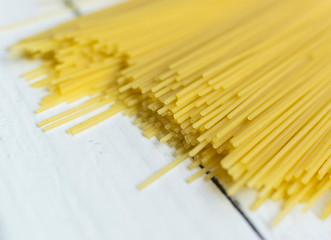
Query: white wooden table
pixel 56 186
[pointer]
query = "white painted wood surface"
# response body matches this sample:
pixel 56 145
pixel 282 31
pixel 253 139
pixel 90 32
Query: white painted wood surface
pixel 56 186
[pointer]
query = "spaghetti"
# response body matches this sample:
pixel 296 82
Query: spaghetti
pixel 241 86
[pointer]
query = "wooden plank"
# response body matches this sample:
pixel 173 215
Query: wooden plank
pixel 56 186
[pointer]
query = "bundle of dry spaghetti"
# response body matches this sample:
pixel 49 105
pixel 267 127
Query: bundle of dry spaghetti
pixel 240 86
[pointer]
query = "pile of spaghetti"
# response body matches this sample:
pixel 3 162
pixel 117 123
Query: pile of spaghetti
pixel 243 87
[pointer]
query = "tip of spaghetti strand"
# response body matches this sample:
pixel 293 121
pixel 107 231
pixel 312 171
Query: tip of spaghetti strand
pixel 41 109
pixel 74 131
pixel 14 47
pixel 191 179
pixel 16 54
pixel 144 185
pixel 43 123
pixel 325 215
